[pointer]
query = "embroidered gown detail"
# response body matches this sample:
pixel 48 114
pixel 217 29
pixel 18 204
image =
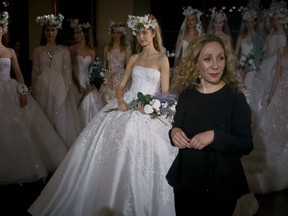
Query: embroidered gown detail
pixel 118 163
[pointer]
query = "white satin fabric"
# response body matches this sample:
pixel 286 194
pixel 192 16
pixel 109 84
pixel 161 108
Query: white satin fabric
pixel 117 165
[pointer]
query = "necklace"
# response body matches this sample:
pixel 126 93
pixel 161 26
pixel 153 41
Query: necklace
pixel 50 54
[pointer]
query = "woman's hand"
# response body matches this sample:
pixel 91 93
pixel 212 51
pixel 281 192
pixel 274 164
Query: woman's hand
pixel 140 108
pixel 201 140
pixel 179 138
pixel 122 106
pixel 22 100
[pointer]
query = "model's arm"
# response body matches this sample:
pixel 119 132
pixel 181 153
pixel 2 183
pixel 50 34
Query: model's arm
pixel 120 89
pixel 276 76
pixel 22 88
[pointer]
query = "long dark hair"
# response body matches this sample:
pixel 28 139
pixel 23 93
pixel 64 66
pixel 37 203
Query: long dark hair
pixel 43 39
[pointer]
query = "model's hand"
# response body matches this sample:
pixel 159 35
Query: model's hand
pixel 179 138
pixel 122 106
pixel 202 140
pixel 140 108
pixel 22 100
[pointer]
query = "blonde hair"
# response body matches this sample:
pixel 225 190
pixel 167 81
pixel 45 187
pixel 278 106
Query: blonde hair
pixel 187 74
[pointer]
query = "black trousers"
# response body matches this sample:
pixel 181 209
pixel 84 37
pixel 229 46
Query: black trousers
pixel 204 203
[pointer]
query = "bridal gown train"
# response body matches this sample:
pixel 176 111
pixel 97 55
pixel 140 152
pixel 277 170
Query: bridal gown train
pixel 267 165
pixel 30 147
pixel 118 163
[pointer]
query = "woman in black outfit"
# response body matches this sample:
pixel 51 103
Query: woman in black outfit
pixel 212 129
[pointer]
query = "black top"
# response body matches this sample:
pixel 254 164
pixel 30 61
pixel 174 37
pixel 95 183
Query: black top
pixel 216 168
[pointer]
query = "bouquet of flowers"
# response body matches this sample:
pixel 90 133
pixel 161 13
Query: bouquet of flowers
pixel 248 61
pixel 160 105
pixel 96 75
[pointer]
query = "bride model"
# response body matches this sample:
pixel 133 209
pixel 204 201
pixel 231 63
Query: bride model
pixel 119 162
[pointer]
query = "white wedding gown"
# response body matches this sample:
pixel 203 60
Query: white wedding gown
pixel 30 147
pixel 267 165
pixel 91 102
pixel 118 163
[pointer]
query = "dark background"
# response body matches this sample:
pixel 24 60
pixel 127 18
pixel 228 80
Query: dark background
pixel 170 15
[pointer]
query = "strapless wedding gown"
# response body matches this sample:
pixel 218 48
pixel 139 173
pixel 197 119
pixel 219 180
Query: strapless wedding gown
pixel 30 148
pixel 91 102
pixel 118 163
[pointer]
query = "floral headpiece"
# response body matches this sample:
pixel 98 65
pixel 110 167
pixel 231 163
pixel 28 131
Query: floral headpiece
pixel 266 12
pixel 4 20
pixel 190 11
pixel 50 20
pixel 120 27
pixel 74 24
pixel 140 22
pixel 247 14
pixel 275 5
pixel 218 15
pixel 282 14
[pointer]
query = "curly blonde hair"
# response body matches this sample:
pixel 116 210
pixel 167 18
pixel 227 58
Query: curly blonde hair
pixel 186 75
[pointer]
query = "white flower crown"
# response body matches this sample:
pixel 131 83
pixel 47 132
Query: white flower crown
pixel 74 24
pixel 282 14
pixel 117 27
pixel 140 22
pixel 275 5
pixel 4 20
pixel 191 11
pixel 50 20
pixel 218 15
pixel 266 12
pixel 246 14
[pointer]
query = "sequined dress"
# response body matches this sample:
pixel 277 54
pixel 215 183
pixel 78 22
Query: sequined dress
pixel 53 90
pixel 116 63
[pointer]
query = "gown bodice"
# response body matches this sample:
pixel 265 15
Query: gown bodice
pixel 81 66
pixel 273 44
pixel 5 67
pixel 246 47
pixel 145 80
pixel 116 60
pixel 184 48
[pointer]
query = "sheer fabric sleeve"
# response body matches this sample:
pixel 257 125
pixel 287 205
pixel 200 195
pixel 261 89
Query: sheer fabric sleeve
pixel 35 69
pixel 67 68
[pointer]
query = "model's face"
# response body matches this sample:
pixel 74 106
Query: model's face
pixel 191 21
pixel 276 21
pixel 211 63
pixel 116 35
pixel 145 37
pixel 267 22
pixel 50 33
pixel 250 23
pixel 78 35
pixel 218 25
